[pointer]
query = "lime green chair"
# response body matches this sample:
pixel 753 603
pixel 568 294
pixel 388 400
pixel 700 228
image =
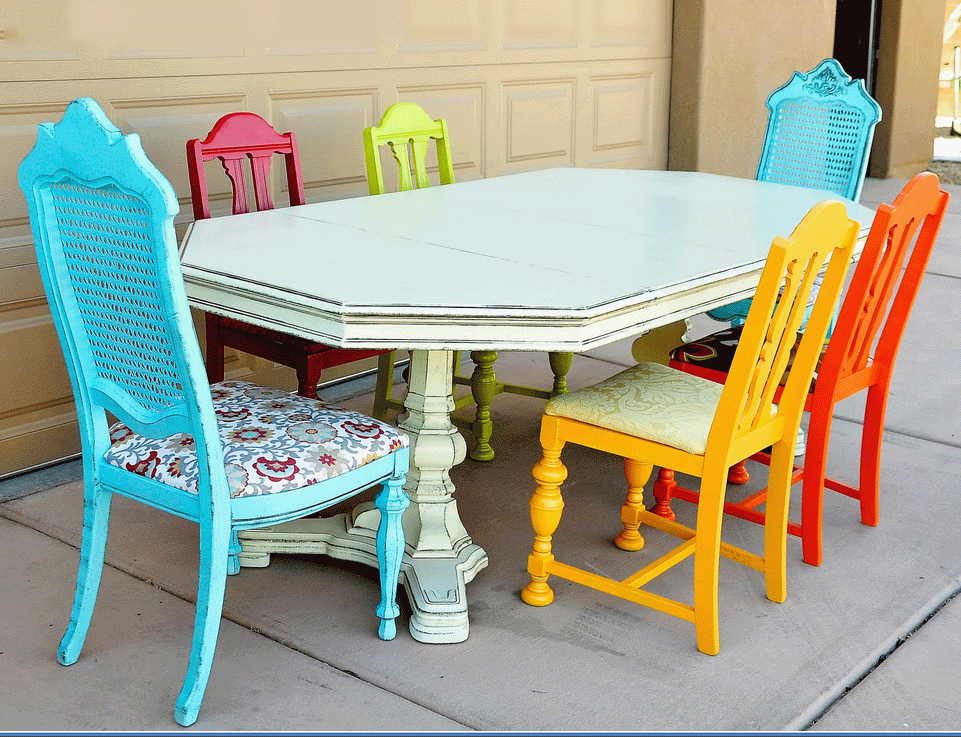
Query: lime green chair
pixel 407 129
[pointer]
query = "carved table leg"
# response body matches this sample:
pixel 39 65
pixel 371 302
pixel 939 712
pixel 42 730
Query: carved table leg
pixel 440 557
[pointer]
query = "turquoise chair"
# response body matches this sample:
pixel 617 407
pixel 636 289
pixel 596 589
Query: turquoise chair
pixel 819 135
pixel 230 456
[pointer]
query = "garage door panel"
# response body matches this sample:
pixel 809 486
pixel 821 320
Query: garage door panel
pixel 165 124
pixel 538 123
pixel 328 125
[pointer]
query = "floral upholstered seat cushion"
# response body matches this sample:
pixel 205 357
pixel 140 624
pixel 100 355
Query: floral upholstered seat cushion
pixel 273 441
pixel 650 401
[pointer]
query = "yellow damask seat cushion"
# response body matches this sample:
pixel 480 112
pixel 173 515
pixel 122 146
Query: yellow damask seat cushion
pixel 649 401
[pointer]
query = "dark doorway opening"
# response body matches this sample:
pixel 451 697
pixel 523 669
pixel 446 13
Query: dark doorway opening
pixel 856 39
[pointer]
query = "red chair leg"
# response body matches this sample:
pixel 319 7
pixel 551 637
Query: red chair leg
pixel 308 376
pixel 215 349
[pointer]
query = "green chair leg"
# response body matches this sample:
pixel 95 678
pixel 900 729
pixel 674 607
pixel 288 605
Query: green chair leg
pixel 483 388
pixel 385 383
pixel 560 365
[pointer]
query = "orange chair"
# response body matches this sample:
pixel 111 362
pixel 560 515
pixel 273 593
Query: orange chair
pixel 653 414
pixel 237 137
pixel 847 366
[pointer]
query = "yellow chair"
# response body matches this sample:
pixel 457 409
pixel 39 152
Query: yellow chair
pixel 407 129
pixel 655 415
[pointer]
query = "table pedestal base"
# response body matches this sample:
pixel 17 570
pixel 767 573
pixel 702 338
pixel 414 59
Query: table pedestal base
pixel 436 586
pixel 440 558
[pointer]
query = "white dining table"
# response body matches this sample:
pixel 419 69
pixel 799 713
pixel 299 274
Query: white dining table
pixel 565 259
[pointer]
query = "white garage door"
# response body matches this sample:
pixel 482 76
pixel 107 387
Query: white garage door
pixel 523 84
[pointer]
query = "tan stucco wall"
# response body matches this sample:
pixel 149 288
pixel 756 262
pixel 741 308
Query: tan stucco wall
pixel 728 57
pixel 907 86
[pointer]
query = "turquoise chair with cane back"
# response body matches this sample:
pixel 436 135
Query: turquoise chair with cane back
pixel 819 134
pixel 408 130
pixel 230 456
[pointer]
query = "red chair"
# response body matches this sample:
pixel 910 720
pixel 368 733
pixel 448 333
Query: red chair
pixel 237 137
pixel 847 365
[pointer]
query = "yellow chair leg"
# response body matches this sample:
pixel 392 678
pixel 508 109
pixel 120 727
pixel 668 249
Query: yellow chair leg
pixel 775 523
pixel 710 512
pixel 546 508
pixel 637 474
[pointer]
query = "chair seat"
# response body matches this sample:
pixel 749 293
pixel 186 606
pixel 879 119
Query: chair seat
pixel 273 441
pixel 713 354
pixel 650 401
pixel 274 336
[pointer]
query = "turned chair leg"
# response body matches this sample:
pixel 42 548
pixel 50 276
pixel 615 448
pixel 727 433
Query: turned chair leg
pixel 663 490
pixel 308 376
pixel 637 474
pixel 385 384
pixel 391 502
pixel 738 474
pixel 560 366
pixel 546 508
pixel 483 386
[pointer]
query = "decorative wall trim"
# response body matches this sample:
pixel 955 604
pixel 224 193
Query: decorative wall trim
pixel 525 126
pixel 142 54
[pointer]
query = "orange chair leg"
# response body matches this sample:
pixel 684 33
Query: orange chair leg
pixel 871 439
pixel 812 489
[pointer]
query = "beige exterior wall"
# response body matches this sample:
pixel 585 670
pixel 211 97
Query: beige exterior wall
pixel 728 57
pixel 524 84
pixel 910 49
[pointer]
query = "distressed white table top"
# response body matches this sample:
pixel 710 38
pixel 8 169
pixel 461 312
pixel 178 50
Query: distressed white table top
pixel 558 259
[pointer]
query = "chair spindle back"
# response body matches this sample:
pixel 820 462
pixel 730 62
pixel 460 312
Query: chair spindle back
pixel 407 129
